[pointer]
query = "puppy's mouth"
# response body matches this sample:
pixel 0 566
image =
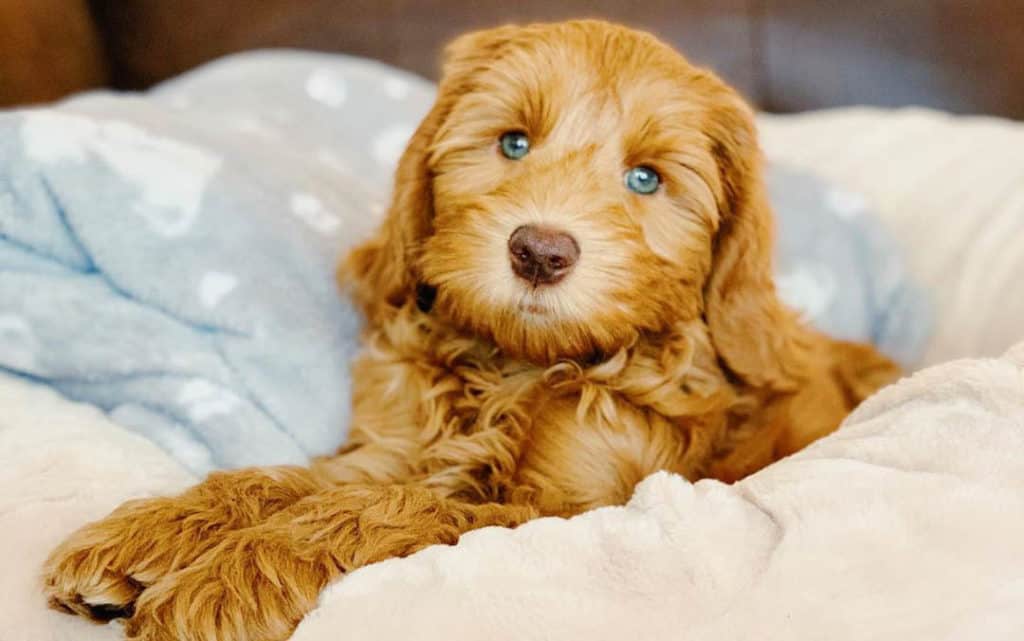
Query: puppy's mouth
pixel 533 309
pixel 532 303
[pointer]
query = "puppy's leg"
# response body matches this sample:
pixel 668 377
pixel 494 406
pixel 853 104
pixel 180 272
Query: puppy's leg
pixel 852 372
pixel 259 582
pixel 99 571
pixel 861 370
pixel 848 373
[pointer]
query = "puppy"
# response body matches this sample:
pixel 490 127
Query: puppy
pixel 572 290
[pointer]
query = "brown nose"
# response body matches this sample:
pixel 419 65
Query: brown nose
pixel 541 255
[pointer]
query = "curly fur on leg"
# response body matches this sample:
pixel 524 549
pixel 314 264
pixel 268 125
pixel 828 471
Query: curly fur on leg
pixel 260 581
pixel 102 568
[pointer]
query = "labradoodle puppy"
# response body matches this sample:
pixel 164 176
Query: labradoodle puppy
pixel 572 290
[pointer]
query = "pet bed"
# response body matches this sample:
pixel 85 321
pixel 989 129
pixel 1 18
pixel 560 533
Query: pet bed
pixel 165 266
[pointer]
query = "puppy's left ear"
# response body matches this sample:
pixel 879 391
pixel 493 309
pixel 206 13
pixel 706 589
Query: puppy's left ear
pixel 760 340
pixel 381 273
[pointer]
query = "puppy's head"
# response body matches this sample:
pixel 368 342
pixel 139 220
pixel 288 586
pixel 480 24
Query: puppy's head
pixel 575 186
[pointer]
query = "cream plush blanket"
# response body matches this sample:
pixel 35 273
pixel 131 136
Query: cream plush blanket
pixel 950 188
pixel 906 524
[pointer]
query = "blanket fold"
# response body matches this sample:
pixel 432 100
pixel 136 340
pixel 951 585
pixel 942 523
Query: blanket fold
pixel 906 524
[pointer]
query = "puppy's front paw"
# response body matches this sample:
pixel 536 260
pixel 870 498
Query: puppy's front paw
pixel 100 570
pixel 84 576
pixel 248 588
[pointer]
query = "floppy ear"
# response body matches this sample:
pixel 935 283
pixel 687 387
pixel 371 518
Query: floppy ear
pixel 381 273
pixel 759 339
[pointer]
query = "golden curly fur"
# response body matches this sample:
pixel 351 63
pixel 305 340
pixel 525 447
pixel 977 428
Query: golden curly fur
pixel 483 398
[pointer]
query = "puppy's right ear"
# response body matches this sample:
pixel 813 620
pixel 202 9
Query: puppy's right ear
pixel 758 338
pixel 381 273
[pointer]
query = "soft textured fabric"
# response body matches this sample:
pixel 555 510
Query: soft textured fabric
pixel 842 269
pixel 169 257
pixel 61 464
pixel 951 190
pixel 907 524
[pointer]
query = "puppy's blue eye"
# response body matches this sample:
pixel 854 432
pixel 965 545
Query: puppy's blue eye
pixel 514 144
pixel 643 180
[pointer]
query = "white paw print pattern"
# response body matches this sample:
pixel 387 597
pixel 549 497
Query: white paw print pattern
pixel 327 87
pixel 846 204
pixel 807 288
pixel 204 400
pixel 388 146
pixel 19 346
pixel 310 210
pixel 171 176
pixel 214 286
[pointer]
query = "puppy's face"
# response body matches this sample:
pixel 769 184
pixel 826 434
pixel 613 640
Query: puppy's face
pixel 574 196
pixel 571 190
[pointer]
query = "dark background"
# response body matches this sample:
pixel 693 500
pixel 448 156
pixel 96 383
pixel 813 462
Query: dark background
pixel 786 55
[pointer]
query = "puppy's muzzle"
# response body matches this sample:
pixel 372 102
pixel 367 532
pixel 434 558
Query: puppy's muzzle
pixel 541 255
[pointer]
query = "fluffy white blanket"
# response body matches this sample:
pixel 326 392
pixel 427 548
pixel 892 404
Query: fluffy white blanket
pixel 906 524
pixel 61 464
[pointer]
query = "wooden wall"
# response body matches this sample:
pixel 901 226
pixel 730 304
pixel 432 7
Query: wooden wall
pixel 786 55
pixel 48 48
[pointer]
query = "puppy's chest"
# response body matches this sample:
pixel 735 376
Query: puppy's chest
pixel 564 438
pixel 576 446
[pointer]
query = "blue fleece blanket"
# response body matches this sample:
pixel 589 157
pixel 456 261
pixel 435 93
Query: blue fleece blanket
pixel 168 257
